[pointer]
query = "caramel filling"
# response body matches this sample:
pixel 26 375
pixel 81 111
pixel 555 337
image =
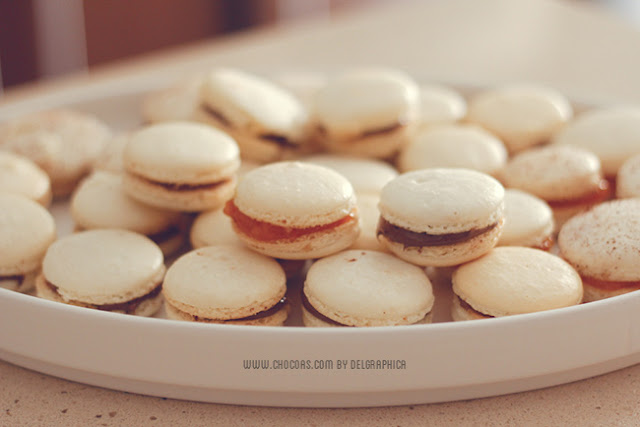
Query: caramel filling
pixel 315 313
pixel 259 315
pixel 414 239
pixel 185 187
pixel 611 285
pixel 266 232
pixel 128 307
pixel 600 194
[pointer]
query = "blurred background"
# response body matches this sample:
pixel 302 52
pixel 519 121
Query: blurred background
pixel 46 38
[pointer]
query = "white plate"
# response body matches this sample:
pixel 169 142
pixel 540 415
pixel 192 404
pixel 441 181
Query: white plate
pixel 334 367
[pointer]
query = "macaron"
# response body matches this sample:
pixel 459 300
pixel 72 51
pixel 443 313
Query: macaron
pixel 294 210
pixel 628 179
pixel 367 112
pixel 181 166
pixel 268 122
pixel 64 143
pixel 369 216
pixel 568 178
pixel 523 116
pixel 110 270
pixel 26 231
pixel 613 134
pixel 454 146
pixel 366 288
pixel 602 245
pixel 513 280
pixel 440 105
pixel 179 101
pixel 441 217
pixel 19 175
pixel 110 159
pixel 367 176
pixel 226 284
pixel 100 201
pixel 528 221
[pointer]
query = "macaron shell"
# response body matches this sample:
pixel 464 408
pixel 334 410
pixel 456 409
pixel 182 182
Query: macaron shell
pixel 177 102
pixel 528 219
pixel 105 266
pixel 459 313
pixel 383 145
pixel 276 319
pixel 368 288
pixel 19 175
pixel 369 216
pixel 26 231
pixel 628 179
pixel 440 105
pixel 110 159
pixel 603 243
pixel 23 284
pixel 517 280
pixel 213 228
pixel 224 282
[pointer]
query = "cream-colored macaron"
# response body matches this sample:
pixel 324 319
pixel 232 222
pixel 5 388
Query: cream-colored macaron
pixel 440 105
pixel 441 217
pixel 368 176
pixel 226 284
pixel 628 179
pixel 454 146
pixel 101 202
pixel 64 143
pixel 295 210
pixel 268 122
pixel 528 221
pixel 602 245
pixel 19 175
pixel 369 216
pixel 568 178
pixel 110 270
pixel 521 115
pixel 613 134
pixel 181 166
pixel 367 112
pixel 513 280
pixel 178 101
pixel 212 228
pixel 365 288
pixel 26 231
pixel 110 159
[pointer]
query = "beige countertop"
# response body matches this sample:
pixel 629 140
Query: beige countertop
pixel 574 47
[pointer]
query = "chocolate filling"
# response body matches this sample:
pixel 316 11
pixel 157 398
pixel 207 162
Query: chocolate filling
pixel 128 307
pixel 311 309
pixel 369 133
pixel 259 315
pixel 165 235
pixel 465 305
pixel 183 186
pixel 414 239
pixel 16 277
pixel 216 115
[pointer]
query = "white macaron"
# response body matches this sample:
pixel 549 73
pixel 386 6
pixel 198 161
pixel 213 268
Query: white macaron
pixel 440 104
pixel 528 221
pixel 628 179
pixel 19 175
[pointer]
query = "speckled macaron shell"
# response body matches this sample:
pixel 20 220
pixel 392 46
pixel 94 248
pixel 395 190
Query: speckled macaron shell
pixel 178 101
pixel 521 115
pixel 222 283
pixel 454 146
pixel 440 105
pixel 64 143
pixel 368 288
pixel 105 266
pixel 367 176
pixel 628 179
pixel 517 280
pixel 213 228
pixel 19 175
pixel 613 134
pixel 528 220
pixel 26 231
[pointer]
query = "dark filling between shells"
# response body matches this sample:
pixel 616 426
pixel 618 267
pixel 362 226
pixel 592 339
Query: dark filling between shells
pixel 414 239
pixel 315 313
pixel 260 315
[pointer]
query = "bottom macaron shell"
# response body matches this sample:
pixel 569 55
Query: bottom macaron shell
pixel 380 146
pixel 311 321
pixel 24 284
pixel 276 319
pixel 195 200
pixel 460 313
pixel 446 255
pixel 309 246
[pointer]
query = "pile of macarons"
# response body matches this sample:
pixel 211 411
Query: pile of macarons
pixel 347 191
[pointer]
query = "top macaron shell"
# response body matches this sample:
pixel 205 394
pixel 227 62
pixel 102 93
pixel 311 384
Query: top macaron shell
pixel 442 201
pixel 628 180
pixel 181 152
pixel 26 231
pixel 440 105
pixel 368 288
pixel 19 175
pixel 517 280
pixel 528 220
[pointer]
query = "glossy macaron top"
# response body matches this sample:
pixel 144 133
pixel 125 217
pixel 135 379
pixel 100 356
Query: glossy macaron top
pixel 368 288
pixel 26 231
pixel 224 282
pixel 103 266
pixel 515 280
pixel 442 200
pixel 602 243
pixel 628 179
pixel 613 134
pixel 554 172
pixel 528 220
pixel 181 152
pixel 254 104
pixel 19 175
pixel 367 99
pixel 295 194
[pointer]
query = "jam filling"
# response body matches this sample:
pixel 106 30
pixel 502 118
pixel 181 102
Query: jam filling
pixel 315 313
pixel 600 194
pixel 414 239
pixel 185 187
pixel 259 315
pixel 266 232
pixel 611 285
pixel 128 307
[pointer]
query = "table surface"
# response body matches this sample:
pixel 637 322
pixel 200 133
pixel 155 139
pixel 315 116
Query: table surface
pixel 575 47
